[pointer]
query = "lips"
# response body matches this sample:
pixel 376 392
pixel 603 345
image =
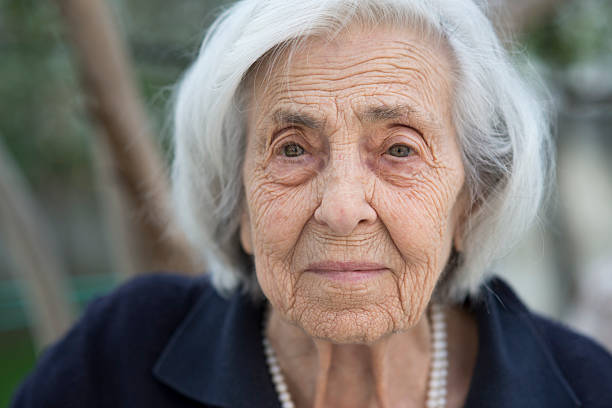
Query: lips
pixel 332 266
pixel 346 271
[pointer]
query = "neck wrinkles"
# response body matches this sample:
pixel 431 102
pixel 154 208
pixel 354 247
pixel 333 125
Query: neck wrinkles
pixel 390 372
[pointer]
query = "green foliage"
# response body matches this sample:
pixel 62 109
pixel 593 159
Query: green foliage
pixel 18 358
pixel 580 31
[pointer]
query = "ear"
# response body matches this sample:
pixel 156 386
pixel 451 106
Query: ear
pixel 245 231
pixel 462 209
pixel 458 236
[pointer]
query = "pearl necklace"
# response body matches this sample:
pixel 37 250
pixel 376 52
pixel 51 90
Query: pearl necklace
pixel 438 371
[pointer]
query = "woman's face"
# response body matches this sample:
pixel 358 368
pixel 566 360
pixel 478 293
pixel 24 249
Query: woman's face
pixel 353 181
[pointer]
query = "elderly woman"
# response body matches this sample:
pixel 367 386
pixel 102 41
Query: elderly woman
pixel 349 168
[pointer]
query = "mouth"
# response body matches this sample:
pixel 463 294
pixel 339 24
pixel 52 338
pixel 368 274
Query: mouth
pixel 347 271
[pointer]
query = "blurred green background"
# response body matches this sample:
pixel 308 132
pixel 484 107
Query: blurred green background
pixel 46 129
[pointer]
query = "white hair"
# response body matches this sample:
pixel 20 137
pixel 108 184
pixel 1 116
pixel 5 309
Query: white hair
pixel 502 128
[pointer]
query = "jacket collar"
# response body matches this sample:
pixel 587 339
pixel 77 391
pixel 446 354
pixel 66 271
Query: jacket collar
pixel 216 357
pixel 216 354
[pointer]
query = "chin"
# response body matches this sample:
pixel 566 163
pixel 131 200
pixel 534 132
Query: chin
pixel 365 325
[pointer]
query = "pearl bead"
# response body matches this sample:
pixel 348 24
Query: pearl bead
pixel 439 373
pixel 439 364
pixel 439 354
pixel 439 325
pixel 438 383
pixel 439 336
pixel 439 344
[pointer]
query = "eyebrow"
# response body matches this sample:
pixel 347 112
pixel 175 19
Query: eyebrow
pixel 284 117
pixel 371 114
pixel 383 113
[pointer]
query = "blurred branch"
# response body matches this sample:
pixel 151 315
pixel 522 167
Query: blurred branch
pixel 114 101
pixel 36 264
pixel 123 262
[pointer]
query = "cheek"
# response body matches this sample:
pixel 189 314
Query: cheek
pixel 418 216
pixel 278 215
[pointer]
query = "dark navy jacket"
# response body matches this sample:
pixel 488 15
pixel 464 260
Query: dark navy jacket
pixel 170 341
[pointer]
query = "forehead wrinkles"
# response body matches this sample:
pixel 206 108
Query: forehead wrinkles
pixel 355 63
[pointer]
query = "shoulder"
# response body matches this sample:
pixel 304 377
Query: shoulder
pixel 145 308
pixel 585 364
pixel 114 343
pixel 580 366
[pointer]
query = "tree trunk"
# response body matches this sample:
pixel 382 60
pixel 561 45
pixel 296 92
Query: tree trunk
pixel 118 228
pixel 112 99
pixel 36 266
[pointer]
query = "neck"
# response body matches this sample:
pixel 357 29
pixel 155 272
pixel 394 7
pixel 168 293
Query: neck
pixel 390 372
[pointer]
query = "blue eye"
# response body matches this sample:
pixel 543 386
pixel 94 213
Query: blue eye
pixel 292 150
pixel 399 150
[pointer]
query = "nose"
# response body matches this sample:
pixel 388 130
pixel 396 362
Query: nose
pixel 344 205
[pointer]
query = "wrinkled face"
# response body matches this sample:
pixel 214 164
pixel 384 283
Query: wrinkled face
pixel 353 180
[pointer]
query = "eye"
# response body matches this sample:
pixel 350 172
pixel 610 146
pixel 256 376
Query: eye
pixel 292 150
pixel 399 150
